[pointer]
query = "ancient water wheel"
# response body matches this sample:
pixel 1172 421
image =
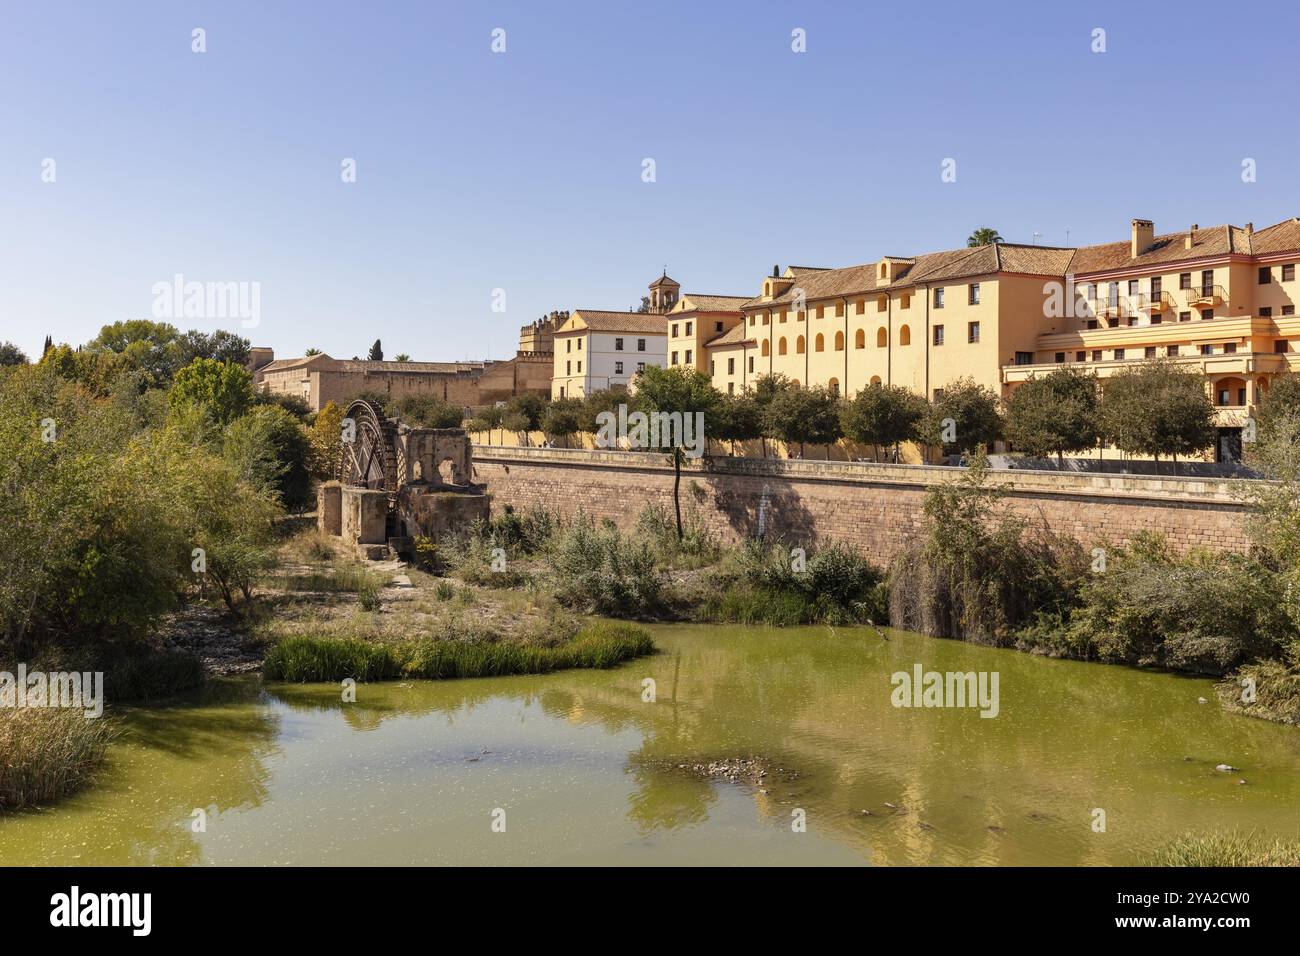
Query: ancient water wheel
pixel 372 458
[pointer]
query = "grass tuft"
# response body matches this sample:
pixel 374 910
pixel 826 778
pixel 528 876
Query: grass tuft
pixel 47 753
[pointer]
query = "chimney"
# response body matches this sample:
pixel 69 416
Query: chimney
pixel 1191 237
pixel 1250 228
pixel 1144 234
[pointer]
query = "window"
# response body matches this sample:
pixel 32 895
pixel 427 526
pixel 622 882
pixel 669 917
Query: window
pixel 784 314
pixel 764 349
pixel 839 341
pixel 767 318
pixel 1132 287
pixel 1092 323
pixel 640 345
pixel 1223 396
pixel 690 327
pixel 860 339
pixel 938 335
pixel 938 298
pixel 1207 281
pixel 618 368
pixel 1060 358
pixel 690 355
pixel 568 345
pixel 1024 358
pixel 972 332
pixel 882 303
pixel 1265 275
pixel 1149 352
pixel 860 306
pixel 1288 310
pixel 1241 396
pixel 1265 312
pixel 973 294
pixel 753 319
pixel 904 335
pixel 1207 349
pixel 1288 272
pixel 1184 316
pixel 717 326
pixel 674 330
pixel 819 344
pixel 1281 346
pixel 882 338
pixel 839 309
pixel 674 359
pixel 618 345
pixel 1119 355
pixel 1096 355
pixel 568 368
pixel 798 345
pixel 1155 287
pixel 640 366
pixel 731 366
pixel 905 301
pixel 1081 356
pixel 1184 280
pixel 938 394
pixel 780 346
pixel 579 367
pixel 731 388
pixel 1207 314
pixel 1229 348
pixel 821 311
pixel 579 345
pixel 751 363
pixel 1155 320
pixel 1171 350
pixel 713 367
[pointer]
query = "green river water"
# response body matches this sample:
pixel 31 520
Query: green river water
pixel 587 772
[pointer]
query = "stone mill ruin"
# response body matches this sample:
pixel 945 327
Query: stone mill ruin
pixel 396 483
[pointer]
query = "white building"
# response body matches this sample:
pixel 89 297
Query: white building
pixel 597 350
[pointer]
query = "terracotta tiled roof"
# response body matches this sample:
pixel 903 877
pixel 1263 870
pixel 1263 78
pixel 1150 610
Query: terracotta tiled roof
pixel 600 321
pixel 1171 247
pixel 664 280
pixel 1282 237
pixel 703 302
pixel 1034 260
pixel 733 337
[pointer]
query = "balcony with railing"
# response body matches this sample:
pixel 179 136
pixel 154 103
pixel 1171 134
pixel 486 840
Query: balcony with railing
pixel 1204 296
pixel 1155 302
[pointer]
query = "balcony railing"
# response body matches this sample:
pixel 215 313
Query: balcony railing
pixel 1206 295
pixel 1156 302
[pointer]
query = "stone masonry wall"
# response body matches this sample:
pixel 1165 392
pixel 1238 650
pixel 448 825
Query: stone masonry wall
pixel 875 507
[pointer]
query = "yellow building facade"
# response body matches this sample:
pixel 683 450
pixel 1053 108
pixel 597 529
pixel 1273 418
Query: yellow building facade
pixel 1221 300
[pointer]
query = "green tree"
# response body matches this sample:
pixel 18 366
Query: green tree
pixel 376 352
pixel 883 416
pixel 143 344
pixel 524 414
pixel 1054 414
pixel 221 345
pixel 271 450
pixel 224 391
pixel 984 236
pixel 766 388
pixel 737 418
pixel 805 416
pixel 1157 408
pixel 312 351
pixel 401 357
pixel 678 390
pixel 562 418
pixel 326 441
pixel 11 354
pixel 428 411
pixel 965 417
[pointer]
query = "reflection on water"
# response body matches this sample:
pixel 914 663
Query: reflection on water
pixel 589 773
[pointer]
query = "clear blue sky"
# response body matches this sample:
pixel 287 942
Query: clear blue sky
pixel 522 170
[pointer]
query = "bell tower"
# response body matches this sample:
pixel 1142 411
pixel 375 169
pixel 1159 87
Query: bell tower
pixel 663 294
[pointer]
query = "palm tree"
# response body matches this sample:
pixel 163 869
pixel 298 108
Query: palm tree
pixel 311 352
pixel 984 236
pixel 402 357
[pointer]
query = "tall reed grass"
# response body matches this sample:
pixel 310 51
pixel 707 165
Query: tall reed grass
pixel 47 753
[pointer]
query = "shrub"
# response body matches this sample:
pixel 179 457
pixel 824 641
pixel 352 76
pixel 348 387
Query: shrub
pixel 48 753
pixel 1277 690
pixel 977 572
pixel 600 571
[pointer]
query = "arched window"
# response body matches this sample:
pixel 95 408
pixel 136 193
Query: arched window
pixel 875 380
pixel 839 341
pixel 860 340
pixel 765 350
pixel 819 343
pixel 834 386
pixel 798 345
pixel 904 336
pixel 882 337
pixel 780 346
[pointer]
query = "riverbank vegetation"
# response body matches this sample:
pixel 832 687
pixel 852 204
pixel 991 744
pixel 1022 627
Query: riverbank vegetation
pixel 46 754
pixel 1227 849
